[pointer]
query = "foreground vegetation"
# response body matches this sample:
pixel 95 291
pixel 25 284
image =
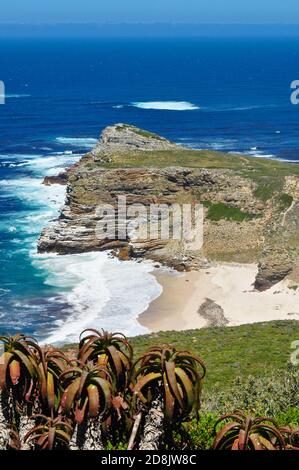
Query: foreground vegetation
pixel 232 352
pixel 112 393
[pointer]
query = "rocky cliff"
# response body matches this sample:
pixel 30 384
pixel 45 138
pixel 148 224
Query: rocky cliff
pixel 251 205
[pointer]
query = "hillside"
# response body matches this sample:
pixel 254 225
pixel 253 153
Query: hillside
pixel 229 352
pixel 251 204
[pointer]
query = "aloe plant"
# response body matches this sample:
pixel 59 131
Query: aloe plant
pixel 52 364
pixel 50 433
pixel 87 397
pixel 19 377
pixel 291 437
pixel 14 439
pixel 243 432
pixel 110 350
pixel 168 382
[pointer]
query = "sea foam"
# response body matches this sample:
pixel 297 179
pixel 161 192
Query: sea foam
pixel 83 142
pixel 101 293
pixel 165 105
pixel 16 96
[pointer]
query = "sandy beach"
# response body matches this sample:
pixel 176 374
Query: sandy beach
pixel 221 295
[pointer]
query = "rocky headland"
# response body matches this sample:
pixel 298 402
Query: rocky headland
pixel 251 204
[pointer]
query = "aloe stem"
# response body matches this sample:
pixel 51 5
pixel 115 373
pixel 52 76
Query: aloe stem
pixel 4 432
pixel 154 427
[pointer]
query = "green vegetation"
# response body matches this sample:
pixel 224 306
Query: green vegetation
pixel 266 187
pixel 242 432
pixel 138 131
pixel 255 168
pixel 223 211
pixel 285 201
pixel 275 395
pixel 230 352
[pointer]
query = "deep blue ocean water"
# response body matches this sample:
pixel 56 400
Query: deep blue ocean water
pixel 225 94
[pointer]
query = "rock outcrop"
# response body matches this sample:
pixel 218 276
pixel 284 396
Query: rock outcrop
pixel 123 138
pixel 212 313
pixel 148 169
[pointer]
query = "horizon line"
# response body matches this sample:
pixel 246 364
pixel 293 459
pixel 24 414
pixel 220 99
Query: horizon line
pixel 126 23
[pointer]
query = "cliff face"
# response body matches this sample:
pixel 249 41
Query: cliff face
pixel 251 205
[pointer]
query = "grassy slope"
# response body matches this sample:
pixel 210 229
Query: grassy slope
pixel 200 159
pixel 234 351
pixel 268 174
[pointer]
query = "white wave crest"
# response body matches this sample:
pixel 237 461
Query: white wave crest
pixel 102 293
pixel 15 96
pixel 85 142
pixel 165 105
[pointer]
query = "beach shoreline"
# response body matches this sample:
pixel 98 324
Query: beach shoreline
pixel 220 295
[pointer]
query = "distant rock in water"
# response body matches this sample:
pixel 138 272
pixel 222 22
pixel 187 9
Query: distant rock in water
pixel 61 178
pixel 251 206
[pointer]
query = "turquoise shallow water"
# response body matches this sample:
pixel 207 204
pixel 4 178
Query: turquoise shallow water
pixel 231 95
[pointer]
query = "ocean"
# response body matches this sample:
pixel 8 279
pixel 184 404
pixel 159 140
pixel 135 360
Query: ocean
pixel 223 94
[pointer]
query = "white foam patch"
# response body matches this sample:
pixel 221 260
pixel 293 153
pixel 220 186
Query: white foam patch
pixel 165 105
pixel 83 142
pixel 254 152
pixel 103 293
pixel 15 96
pixel 43 205
pixel 218 144
pixel 32 190
pixel 52 165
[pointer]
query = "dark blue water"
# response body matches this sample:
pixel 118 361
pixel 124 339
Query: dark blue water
pixel 225 94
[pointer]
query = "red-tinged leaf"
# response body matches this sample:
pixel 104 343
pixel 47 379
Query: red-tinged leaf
pixel 80 412
pixel 84 375
pixel 64 436
pixel 27 363
pixel 42 441
pixel 169 400
pixel 242 439
pixel 115 360
pixel 235 445
pixel 221 434
pixel 256 442
pixel 266 443
pixel 51 437
pixel 119 403
pixel 4 361
pixel 124 359
pixel 144 382
pixel 42 381
pixel 93 401
pixel 69 396
pixel 86 350
pixel 28 394
pixel 50 391
pixel 171 378
pixel 187 387
pixel 105 388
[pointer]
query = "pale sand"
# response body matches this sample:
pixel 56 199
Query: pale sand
pixel 228 285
